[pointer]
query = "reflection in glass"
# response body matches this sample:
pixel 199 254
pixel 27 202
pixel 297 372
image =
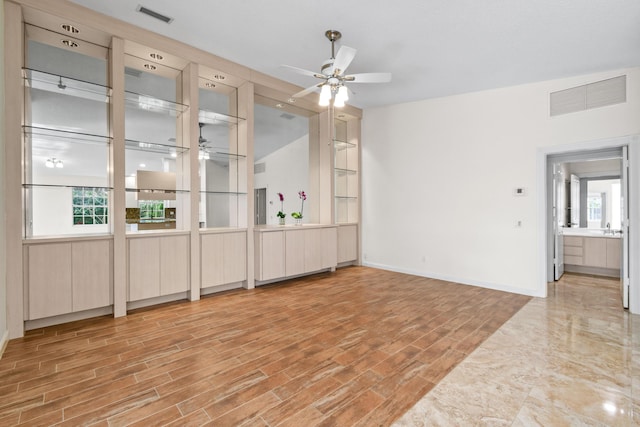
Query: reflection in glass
pixel 281 159
pixel 66 126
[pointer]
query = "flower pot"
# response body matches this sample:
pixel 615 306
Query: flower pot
pixel 281 221
pixel 298 221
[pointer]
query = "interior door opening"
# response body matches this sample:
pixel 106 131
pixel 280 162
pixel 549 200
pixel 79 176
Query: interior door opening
pixel 588 226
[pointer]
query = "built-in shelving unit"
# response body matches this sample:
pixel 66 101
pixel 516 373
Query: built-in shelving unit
pixel 222 157
pixel 130 170
pixel 345 175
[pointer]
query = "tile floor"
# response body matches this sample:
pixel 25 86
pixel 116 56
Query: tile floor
pixel 572 359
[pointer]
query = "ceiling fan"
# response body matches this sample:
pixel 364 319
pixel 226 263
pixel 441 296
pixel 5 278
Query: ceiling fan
pixel 333 74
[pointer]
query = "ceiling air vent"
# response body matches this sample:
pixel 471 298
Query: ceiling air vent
pixel 154 14
pixel 593 95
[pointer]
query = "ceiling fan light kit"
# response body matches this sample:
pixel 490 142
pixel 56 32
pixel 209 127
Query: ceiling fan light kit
pixel 333 73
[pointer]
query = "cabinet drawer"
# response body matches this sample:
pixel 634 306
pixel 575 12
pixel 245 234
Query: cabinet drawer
pixel 573 260
pixel 573 250
pixel 573 241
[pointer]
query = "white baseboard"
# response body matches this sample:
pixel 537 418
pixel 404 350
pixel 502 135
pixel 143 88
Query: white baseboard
pixel 3 342
pixel 480 284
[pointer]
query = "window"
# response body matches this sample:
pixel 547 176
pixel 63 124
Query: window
pixel 151 210
pixel 90 205
pixel 594 207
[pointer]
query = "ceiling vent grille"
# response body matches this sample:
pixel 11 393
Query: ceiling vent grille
pixel 593 95
pixel 154 14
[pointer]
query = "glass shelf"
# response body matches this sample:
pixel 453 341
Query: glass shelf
pixel 342 145
pixel 213 118
pixel 55 136
pixel 222 155
pixel 222 192
pixel 152 147
pixel 155 191
pixel 155 105
pixel 65 186
pixel 341 171
pixel 59 84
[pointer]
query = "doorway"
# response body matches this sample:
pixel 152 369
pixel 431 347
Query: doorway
pixel 587 191
pixel 261 206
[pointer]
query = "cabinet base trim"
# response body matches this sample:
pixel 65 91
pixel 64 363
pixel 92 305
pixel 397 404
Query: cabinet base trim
pixel 132 305
pixel 281 279
pixel 220 288
pixel 596 271
pixel 3 343
pixel 66 318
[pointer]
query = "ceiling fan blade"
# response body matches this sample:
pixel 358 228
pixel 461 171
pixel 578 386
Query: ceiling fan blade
pixel 369 78
pixel 343 58
pixel 306 91
pixel 304 72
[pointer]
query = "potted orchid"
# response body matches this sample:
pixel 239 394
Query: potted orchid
pixel 281 214
pixel 298 215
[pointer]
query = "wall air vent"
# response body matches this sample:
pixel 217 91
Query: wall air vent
pixel 154 14
pixel 593 95
pixel 287 116
pixel 260 167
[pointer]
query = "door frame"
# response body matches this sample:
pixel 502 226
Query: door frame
pixel 545 192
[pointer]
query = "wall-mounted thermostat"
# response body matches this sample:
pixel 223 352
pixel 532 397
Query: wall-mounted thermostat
pixel 519 191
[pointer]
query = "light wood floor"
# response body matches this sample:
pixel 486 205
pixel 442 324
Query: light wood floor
pixel 356 347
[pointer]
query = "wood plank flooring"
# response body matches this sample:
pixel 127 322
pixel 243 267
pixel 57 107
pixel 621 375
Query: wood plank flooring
pixel 357 347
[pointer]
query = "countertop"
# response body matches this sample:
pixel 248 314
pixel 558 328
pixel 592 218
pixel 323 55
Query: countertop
pixel 592 232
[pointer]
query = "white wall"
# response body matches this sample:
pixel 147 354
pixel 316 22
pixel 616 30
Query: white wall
pixel 3 235
pixel 438 178
pixel 287 172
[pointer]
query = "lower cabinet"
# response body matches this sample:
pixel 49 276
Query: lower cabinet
pixel 158 265
pixel 347 243
pixel 68 277
pixel 223 258
pixel 294 251
pixel 598 252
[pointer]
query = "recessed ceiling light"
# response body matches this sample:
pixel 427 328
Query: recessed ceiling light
pixel 219 77
pixel 156 56
pixel 69 43
pixel 210 85
pixel 150 67
pixel 70 28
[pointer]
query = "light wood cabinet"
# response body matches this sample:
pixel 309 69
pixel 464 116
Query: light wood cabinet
pixel 50 288
pixel 595 252
pixel 158 266
pixel 294 251
pixel 269 256
pixel 614 253
pixel 223 258
pixel 91 275
pixel 68 277
pixel 347 243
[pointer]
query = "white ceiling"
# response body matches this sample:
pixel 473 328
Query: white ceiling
pixel 433 48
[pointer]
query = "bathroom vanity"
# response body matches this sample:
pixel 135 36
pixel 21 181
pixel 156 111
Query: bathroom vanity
pixel 592 252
